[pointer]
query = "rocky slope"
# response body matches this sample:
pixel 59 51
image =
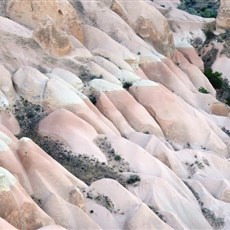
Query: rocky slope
pixel 102 125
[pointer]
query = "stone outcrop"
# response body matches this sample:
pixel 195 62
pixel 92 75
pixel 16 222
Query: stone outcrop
pixel 223 18
pixel 113 132
pixel 148 23
pixel 52 39
pixel 31 13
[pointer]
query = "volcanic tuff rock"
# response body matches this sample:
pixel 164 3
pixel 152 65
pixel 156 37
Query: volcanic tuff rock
pixel 223 18
pixel 52 39
pixel 102 122
pixel 32 13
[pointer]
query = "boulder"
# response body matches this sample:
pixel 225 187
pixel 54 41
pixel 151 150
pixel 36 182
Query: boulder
pixel 29 83
pixel 31 13
pixel 52 39
pixel 69 77
pixel 223 17
pixel 148 23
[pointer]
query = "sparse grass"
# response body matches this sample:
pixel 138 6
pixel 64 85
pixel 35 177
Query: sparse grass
pixel 82 166
pixel 113 157
pixel 103 200
pixel 157 212
pixel 28 116
pixel 214 221
pixel 85 168
pixel 195 165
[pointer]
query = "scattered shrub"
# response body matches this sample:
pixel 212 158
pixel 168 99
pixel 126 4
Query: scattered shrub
pixel 127 84
pixel 197 42
pixel 117 158
pixel 209 34
pixel 214 77
pixel 208 13
pixel 133 179
pixel 157 212
pixel 203 90
pixel 227 131
pixel 210 57
pixel 227 100
pixel 214 221
pixel 93 99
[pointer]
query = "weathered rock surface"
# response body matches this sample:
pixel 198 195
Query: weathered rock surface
pixel 148 23
pixel 31 13
pixel 52 39
pixel 102 125
pixel 223 18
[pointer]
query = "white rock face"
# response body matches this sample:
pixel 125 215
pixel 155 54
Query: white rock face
pixel 6 180
pixel 69 77
pixel 6 85
pixel 30 83
pixel 104 86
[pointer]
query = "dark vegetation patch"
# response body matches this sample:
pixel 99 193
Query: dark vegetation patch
pixel 132 179
pixel 203 90
pixel 215 78
pixel 221 85
pixel 104 201
pixel 227 131
pixel 194 166
pixel 158 213
pixel 93 98
pixel 207 51
pixel 206 9
pixel 113 157
pixel 127 84
pixel 28 116
pixel 82 166
pixel 209 58
pixel 214 221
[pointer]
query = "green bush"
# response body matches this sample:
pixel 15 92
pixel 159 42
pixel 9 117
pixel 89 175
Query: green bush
pixel 132 179
pixel 206 9
pixel 203 90
pixel 209 34
pixel 208 13
pixel 227 100
pixel 214 77
pixel 127 84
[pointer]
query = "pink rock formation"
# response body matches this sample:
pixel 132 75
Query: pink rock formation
pixel 31 13
pixel 223 18
pixel 119 106
pixel 51 39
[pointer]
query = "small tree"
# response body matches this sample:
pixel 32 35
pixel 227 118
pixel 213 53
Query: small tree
pixel 203 90
pixel 214 77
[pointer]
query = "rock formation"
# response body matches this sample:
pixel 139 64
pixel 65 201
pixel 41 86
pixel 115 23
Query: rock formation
pixel 223 18
pixel 51 39
pixel 102 121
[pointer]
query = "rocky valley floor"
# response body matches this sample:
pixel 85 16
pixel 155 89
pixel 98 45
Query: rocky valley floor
pixel 103 123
